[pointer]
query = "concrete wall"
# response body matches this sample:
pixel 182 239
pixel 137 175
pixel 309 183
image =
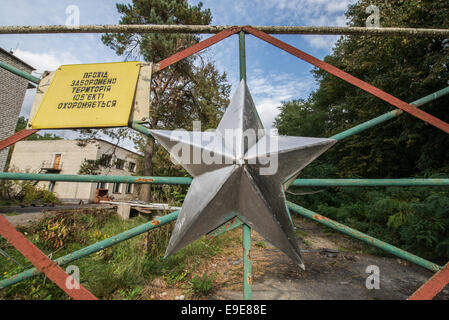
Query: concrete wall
pixel 28 156
pixel 123 154
pixel 12 93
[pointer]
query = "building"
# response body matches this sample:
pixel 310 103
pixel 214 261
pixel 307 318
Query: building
pixel 12 93
pixel 67 157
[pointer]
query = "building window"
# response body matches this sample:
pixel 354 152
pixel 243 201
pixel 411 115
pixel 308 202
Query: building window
pixel 132 167
pixel 101 185
pixel 117 188
pixel 120 163
pixel 57 161
pixel 129 188
pixel 105 159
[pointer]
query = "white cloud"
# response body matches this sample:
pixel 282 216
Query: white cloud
pixel 269 90
pixel 46 61
pixel 322 42
pixel 309 13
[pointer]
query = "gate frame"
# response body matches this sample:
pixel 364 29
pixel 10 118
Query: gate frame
pixel 429 290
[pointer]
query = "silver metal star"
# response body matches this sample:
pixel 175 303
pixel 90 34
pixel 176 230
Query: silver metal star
pixel 241 170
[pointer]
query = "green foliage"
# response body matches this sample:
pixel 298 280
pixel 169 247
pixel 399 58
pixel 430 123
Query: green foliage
pixel 416 219
pixel 201 285
pixel 191 89
pixel 90 167
pixel 22 123
pixel 261 244
pixel 121 271
pixel 25 193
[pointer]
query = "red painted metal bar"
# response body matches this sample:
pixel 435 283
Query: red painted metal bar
pixel 433 286
pixel 41 261
pixel 22 134
pixel 351 79
pixel 196 48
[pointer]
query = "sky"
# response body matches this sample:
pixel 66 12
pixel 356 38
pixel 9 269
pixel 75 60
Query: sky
pixel 273 75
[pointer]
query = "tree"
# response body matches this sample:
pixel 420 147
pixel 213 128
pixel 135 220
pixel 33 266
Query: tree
pixel 192 89
pixel 407 67
pixel 414 219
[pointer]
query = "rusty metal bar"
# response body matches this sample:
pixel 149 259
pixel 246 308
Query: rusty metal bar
pixel 363 237
pixel 433 286
pixel 207 29
pixel 228 226
pixel 171 217
pixel 246 230
pixel 22 134
pixel 389 115
pixel 195 48
pixel 42 262
pixel 351 79
pixel 19 72
pixel 98 246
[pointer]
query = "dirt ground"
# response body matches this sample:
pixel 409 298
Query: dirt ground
pixel 335 270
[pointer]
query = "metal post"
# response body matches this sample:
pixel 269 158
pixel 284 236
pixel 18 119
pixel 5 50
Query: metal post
pixel 19 72
pixel 369 182
pixel 246 230
pixel 98 246
pixel 363 237
pixel 205 29
pixel 247 267
pixel 389 115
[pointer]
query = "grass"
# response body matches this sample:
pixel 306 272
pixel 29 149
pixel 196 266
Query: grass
pixel 201 285
pixel 118 272
pixel 301 235
pixel 261 244
pixel 14 213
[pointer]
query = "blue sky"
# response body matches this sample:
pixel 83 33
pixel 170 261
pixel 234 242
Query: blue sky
pixel 273 75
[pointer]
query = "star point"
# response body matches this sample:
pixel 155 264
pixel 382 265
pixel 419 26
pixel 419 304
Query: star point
pixel 239 170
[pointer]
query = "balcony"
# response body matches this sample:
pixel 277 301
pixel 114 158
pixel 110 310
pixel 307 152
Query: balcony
pixel 51 166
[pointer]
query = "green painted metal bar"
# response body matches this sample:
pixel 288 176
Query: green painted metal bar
pixel 369 182
pixel 364 237
pixel 187 180
pixel 156 223
pixel 246 230
pixel 94 178
pixel 247 267
pixel 246 243
pixel 389 115
pixel 19 72
pixel 140 128
pixel 228 226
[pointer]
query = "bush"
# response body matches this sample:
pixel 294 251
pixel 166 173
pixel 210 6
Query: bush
pixel 26 193
pixel 415 219
pixel 201 285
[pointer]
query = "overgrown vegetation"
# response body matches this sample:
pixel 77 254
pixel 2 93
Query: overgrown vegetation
pixel 25 193
pixel 191 89
pixel 415 219
pixel 119 272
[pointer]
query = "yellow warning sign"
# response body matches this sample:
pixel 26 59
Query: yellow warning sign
pixel 88 96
